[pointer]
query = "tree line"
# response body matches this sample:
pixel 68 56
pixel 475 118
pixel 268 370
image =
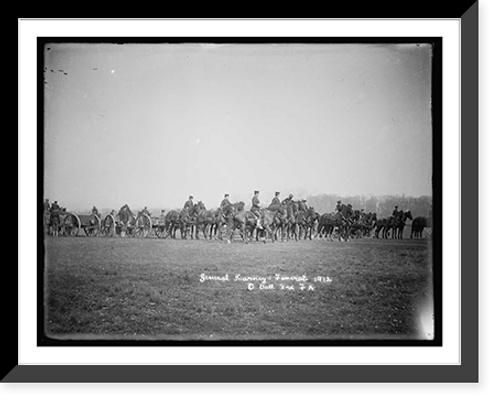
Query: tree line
pixel 382 205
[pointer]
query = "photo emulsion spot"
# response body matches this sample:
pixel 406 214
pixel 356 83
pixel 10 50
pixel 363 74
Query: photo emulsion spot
pixel 240 192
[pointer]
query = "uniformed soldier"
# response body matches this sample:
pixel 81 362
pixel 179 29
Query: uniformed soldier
pixel 189 203
pixel 161 219
pixel 276 199
pixel 255 209
pixel 225 202
pixel 145 211
pixel 338 208
pixel 286 201
pixel 395 212
pixel 55 210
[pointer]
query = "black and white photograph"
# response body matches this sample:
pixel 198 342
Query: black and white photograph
pixel 250 192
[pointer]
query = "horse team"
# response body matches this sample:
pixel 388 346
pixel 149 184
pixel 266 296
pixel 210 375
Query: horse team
pixel 288 220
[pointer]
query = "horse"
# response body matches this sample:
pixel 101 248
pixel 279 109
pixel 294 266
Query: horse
pixel 340 220
pixel 126 220
pixel 396 224
pixel 417 226
pixel 204 220
pixel 306 219
pixel 280 222
pixel 325 226
pixel 293 224
pixel 380 225
pixel 186 222
pixel 54 223
pixel 392 226
pixel 270 221
pixel 219 223
pixel 172 222
pixel 236 218
pixel 364 224
pixel 343 221
pixel 369 221
pixel 402 217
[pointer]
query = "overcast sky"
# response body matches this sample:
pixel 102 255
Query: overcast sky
pixel 150 124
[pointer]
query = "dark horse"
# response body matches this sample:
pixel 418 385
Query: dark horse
pixel 236 218
pixel 272 219
pixel 180 219
pixel 396 224
pixel 221 225
pixel 307 219
pixel 417 226
pixel 172 222
pixel 340 220
pixel 380 226
pixel 280 221
pixel 402 222
pixel 126 220
pixel 204 220
pixel 292 229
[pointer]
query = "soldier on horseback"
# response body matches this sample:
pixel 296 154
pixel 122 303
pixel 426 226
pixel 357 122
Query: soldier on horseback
pixel 255 209
pixel 395 212
pixel 225 202
pixel 189 203
pixel 286 201
pixel 338 208
pixel 276 199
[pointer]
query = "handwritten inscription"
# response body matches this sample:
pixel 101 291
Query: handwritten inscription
pixel 276 282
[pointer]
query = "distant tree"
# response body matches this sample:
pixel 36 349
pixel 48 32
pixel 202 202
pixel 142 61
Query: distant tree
pixel 382 205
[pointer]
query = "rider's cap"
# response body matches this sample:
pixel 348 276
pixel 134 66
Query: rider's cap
pixel 339 201
pixel 226 195
pixel 277 193
pixel 190 196
pixel 255 192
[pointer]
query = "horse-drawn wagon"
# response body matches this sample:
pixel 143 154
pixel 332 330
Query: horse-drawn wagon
pixel 125 223
pixel 159 226
pixel 71 224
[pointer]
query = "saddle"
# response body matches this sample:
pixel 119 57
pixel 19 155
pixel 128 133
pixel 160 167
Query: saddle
pixel 252 215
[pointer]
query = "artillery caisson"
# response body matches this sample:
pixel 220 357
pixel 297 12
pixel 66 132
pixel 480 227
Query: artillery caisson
pixel 142 225
pixel 125 223
pixel 71 224
pixel 159 226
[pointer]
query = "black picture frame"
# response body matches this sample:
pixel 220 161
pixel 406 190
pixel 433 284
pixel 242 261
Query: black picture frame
pixel 467 371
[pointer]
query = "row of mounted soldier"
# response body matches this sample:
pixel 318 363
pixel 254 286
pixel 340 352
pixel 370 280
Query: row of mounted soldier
pixel 288 219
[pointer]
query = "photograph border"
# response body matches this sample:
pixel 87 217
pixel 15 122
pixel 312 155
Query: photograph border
pixel 467 371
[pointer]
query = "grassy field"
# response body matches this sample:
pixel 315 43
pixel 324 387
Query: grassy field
pixel 141 289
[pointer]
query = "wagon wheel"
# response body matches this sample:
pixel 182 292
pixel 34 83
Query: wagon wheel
pixel 108 226
pixel 143 225
pixel 71 225
pixel 161 231
pixel 94 226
